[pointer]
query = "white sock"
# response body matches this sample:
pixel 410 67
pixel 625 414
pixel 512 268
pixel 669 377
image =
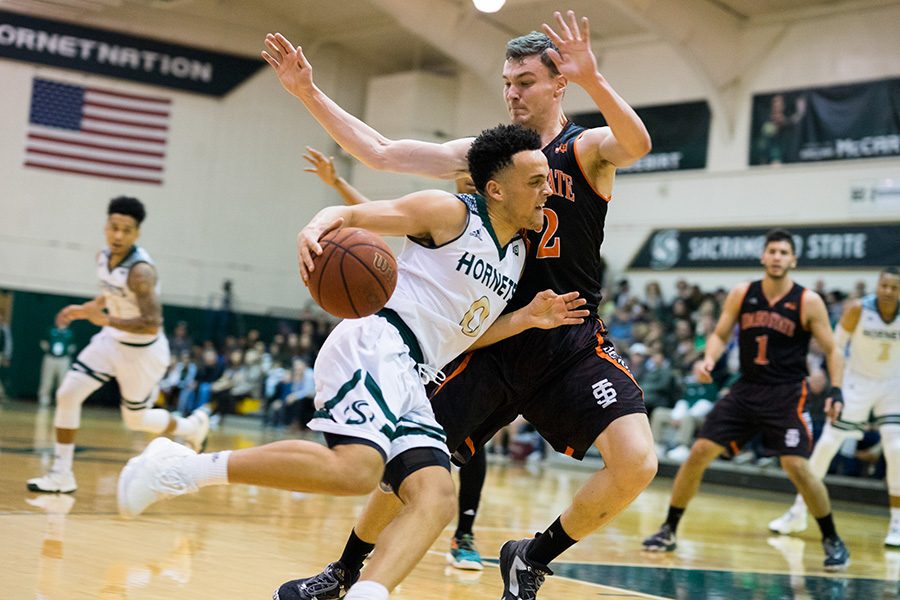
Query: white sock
pixel 799 504
pixel 367 590
pixel 184 426
pixel 63 454
pixel 208 469
pixel 895 515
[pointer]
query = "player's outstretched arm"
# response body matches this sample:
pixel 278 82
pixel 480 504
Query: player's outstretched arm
pixel 432 214
pixel 323 166
pixel 374 150
pixel 626 139
pixel 545 311
pixel 141 281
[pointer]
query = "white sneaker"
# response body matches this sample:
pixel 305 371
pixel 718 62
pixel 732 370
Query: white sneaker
pixel 893 536
pixel 197 441
pixel 54 482
pixel 679 453
pixel 153 475
pixel 793 521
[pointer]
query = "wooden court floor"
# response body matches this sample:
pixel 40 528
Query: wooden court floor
pixel 241 542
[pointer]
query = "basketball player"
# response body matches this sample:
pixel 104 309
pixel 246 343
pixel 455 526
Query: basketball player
pixel 570 384
pixel 871 327
pixel 776 318
pixel 130 348
pixel 370 397
pixel 463 552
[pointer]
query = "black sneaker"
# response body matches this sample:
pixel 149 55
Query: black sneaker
pixel 331 584
pixel 522 578
pixel 661 541
pixel 837 557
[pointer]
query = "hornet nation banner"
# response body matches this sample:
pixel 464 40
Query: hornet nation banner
pixel 843 246
pixel 860 120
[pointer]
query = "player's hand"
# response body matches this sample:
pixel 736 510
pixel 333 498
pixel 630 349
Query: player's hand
pixel 93 312
pixel 575 60
pixel 308 246
pixel 293 70
pixel 834 404
pixel 72 312
pixel 322 165
pixel 549 309
pixel 703 369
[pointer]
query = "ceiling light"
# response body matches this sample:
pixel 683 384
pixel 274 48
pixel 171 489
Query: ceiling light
pixel 488 6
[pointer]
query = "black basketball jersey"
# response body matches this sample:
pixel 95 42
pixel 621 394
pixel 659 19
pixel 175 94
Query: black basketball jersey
pixel 773 342
pixel 565 255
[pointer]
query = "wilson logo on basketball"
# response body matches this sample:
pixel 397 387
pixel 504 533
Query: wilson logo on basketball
pixel 382 264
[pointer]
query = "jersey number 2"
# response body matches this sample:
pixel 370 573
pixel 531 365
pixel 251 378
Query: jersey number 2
pixel 549 246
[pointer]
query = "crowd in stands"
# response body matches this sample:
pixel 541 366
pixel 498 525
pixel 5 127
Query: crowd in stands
pixel 247 374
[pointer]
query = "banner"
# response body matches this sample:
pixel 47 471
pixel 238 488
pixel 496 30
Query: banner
pixel 844 246
pixel 860 120
pixel 680 135
pixel 121 56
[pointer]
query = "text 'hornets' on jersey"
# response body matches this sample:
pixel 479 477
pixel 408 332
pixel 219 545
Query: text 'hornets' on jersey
pixel 875 343
pixel 565 255
pixel 773 342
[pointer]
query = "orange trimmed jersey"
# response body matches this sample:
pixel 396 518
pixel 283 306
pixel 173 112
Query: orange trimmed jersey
pixel 564 256
pixel 773 343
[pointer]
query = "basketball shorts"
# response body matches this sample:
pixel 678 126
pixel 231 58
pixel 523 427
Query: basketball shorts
pixel 777 411
pixel 367 387
pixel 568 382
pixel 137 368
pixel 863 395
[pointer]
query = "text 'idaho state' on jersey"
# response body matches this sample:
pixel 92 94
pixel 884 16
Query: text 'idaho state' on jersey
pixel 449 295
pixel 564 256
pixel 773 342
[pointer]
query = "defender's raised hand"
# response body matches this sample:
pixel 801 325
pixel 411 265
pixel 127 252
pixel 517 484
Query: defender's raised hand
pixel 575 59
pixel 293 70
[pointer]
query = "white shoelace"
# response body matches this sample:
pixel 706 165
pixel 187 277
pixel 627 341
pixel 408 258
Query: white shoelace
pixel 427 374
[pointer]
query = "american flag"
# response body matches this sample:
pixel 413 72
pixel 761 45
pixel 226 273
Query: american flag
pixel 97 132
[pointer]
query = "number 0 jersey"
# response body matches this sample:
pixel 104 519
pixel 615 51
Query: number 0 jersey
pixel 121 302
pixel 449 295
pixel 875 343
pixel 773 342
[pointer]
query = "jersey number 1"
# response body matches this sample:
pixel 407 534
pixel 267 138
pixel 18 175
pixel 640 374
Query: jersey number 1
pixel 549 246
pixel 762 342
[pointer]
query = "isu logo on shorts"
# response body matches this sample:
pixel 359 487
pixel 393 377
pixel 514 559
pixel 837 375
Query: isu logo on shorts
pixel 792 438
pixel 604 392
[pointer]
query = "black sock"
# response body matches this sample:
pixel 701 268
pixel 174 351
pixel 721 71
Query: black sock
pixel 674 517
pixel 826 524
pixel 471 480
pixel 550 544
pixel 355 552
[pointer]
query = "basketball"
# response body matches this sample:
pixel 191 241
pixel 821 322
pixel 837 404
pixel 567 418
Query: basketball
pixel 355 275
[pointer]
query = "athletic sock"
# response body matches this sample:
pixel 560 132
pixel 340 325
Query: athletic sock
pixel 550 544
pixel 367 590
pixel 208 469
pixel 895 515
pixel 355 552
pixel 63 455
pixel 471 482
pixel 826 524
pixel 674 517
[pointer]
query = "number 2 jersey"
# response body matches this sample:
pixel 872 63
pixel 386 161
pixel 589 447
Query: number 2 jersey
pixel 773 343
pixel 449 295
pixel 565 255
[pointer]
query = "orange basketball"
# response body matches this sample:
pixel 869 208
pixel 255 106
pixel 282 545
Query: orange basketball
pixel 355 275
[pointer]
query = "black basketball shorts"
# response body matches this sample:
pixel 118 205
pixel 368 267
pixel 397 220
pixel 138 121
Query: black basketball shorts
pixel 569 382
pixel 777 411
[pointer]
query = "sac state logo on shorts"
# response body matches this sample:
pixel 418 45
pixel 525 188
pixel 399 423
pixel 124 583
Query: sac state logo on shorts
pixel 792 438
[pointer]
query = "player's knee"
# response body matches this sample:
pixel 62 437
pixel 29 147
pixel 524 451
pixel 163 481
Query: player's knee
pixel 69 397
pixel 795 466
pixel 146 419
pixel 890 441
pixel 351 480
pixel 640 471
pixel 432 493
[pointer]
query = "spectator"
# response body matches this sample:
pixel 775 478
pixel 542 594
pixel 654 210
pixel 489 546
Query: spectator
pixel 660 383
pixel 298 395
pixel 58 351
pixel 180 341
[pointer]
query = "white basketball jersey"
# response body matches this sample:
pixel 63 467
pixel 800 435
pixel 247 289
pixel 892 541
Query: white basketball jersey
pixel 449 295
pixel 874 344
pixel 121 302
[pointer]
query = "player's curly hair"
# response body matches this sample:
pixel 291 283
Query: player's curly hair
pixel 126 205
pixel 532 44
pixel 494 148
